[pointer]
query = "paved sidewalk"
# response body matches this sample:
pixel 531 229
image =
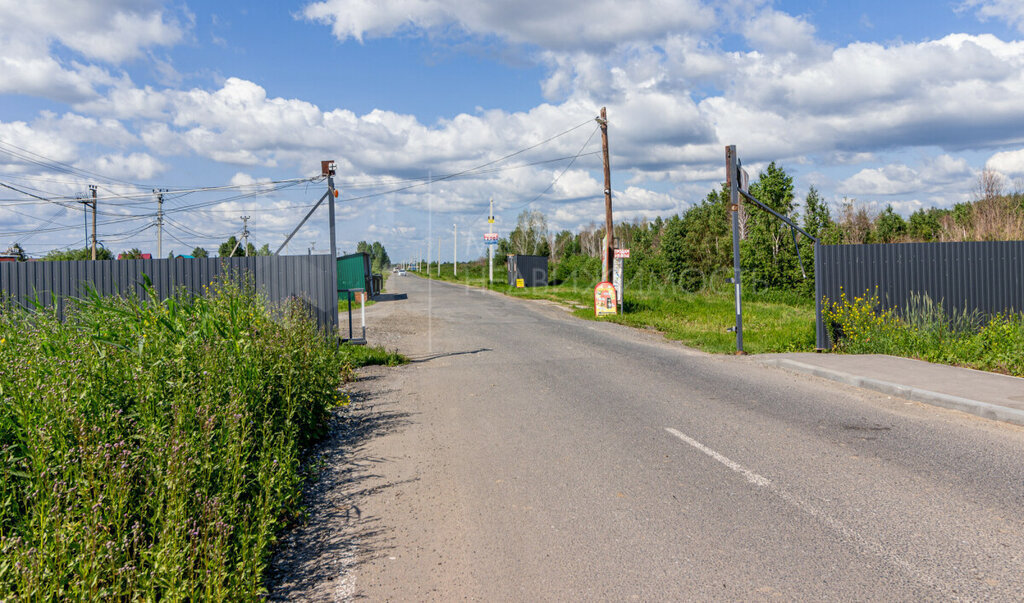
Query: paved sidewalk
pixel 988 395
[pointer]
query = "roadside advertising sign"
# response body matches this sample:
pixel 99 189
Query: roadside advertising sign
pixel 490 238
pixel 605 299
pixel 520 283
pixel 621 253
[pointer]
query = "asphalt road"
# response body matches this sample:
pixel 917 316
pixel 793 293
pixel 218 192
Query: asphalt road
pixel 529 455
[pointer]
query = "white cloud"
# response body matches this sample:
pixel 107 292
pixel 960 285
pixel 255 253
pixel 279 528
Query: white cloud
pixel 1008 163
pixel 558 24
pixel 772 31
pixel 58 138
pixel 674 96
pixel 110 31
pixel 107 30
pixel 939 173
pixel 134 167
pixel 1011 11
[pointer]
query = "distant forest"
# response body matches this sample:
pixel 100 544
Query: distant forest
pixel 694 250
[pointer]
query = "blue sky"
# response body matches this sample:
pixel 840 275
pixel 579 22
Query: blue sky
pixel 900 103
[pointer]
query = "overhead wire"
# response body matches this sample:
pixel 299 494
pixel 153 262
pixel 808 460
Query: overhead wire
pixel 263 188
pixel 572 160
pixel 32 157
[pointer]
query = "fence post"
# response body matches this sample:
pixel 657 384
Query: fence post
pixel 820 335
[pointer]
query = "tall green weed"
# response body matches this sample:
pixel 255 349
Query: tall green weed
pixel 152 449
pixel 925 330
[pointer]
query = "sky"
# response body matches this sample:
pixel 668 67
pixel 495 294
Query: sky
pixel 430 108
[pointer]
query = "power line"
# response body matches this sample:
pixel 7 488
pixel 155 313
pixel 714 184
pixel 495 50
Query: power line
pixel 562 173
pixel 572 159
pixel 32 157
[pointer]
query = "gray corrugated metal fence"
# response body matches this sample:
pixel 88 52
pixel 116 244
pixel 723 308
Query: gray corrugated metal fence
pixel 533 269
pixel 984 276
pixel 312 278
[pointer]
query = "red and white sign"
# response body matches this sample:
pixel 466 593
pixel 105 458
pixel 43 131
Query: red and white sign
pixel 622 253
pixel 490 236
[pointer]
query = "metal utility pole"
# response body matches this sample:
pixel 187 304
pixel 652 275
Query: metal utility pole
pixel 332 194
pixel 159 223
pixel 92 187
pixel 734 205
pixel 608 254
pixel 490 248
pixel 327 169
pixel 455 254
pixel 85 220
pixel 245 234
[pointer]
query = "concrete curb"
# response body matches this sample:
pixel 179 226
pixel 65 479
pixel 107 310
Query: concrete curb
pixel 974 407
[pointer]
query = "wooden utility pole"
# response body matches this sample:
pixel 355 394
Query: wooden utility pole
pixel 92 187
pixel 608 254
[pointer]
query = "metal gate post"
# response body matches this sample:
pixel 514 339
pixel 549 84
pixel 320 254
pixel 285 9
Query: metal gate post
pixel 820 335
pixel 730 174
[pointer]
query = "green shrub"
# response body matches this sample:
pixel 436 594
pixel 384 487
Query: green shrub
pixel 926 331
pixel 152 449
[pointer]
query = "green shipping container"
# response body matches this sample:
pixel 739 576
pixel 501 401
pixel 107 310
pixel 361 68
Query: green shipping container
pixel 353 273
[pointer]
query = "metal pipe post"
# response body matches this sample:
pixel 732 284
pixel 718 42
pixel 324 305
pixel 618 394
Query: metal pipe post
pixel 490 247
pixel 730 175
pixel 330 202
pixel 93 189
pixel 820 335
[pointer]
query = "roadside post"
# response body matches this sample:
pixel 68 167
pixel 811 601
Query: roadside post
pixel 734 207
pixel 619 277
pixel 738 182
pixel 362 316
pixel 491 239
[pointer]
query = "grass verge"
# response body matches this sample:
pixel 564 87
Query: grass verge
pixel 153 450
pixel 924 330
pixel 773 322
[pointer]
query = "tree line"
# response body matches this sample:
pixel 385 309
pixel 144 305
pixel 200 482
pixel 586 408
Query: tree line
pixel 379 260
pixel 693 250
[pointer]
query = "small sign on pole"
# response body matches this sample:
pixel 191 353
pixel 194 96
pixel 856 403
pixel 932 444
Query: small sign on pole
pixel 490 238
pixel 520 283
pixel 621 253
